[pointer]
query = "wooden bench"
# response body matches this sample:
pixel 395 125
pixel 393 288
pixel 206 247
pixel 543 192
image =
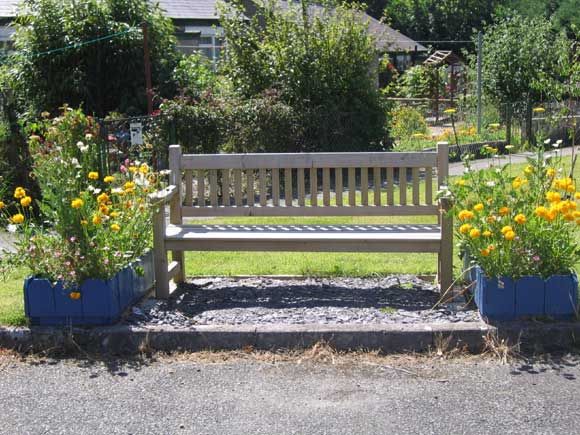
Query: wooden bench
pixel 289 185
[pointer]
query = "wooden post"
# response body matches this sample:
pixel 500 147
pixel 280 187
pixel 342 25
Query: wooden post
pixel 175 216
pixel 445 262
pixel 161 274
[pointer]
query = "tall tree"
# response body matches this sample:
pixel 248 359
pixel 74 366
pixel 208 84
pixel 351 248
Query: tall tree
pixel 105 75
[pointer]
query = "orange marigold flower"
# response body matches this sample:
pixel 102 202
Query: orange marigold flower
pixel 76 203
pixel 503 211
pixel 464 229
pixel 510 235
pixel 75 295
pixel 17 218
pixel 115 227
pixel 486 233
pixel 103 198
pixel 506 229
pixel 520 219
pixel 93 175
pixel 478 207
pixel 474 233
pixel 97 220
pixel 19 193
pixel 484 252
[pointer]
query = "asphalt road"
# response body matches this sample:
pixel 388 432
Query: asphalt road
pixel 186 396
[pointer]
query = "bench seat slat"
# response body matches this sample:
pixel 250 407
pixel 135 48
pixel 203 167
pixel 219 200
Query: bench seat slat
pixel 325 238
pixel 396 210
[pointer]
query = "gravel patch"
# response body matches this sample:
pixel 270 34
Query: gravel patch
pixel 402 299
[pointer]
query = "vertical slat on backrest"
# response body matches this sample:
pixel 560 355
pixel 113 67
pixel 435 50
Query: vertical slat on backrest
pixel 200 188
pixel 276 187
pixel 428 186
pixel 403 186
pixel 313 187
pixel 301 184
pixel 213 188
pixel 226 187
pixel 364 185
pixel 238 188
pixel 250 186
pixel 377 185
pixel 175 179
pixel 351 187
pixel 326 186
pixel 338 185
pixel 263 187
pixel 188 188
pixel 390 187
pixel 415 172
pixel 288 187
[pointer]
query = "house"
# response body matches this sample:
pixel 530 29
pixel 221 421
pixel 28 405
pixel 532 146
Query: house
pixel 197 24
pixel 198 30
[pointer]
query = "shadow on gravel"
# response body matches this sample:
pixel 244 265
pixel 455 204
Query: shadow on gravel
pixel 192 299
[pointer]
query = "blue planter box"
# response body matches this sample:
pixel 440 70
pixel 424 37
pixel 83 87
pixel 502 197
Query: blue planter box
pixel 529 296
pixel 101 302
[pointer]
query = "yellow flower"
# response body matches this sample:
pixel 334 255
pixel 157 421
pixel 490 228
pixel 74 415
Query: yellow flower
pixel 487 233
pixel 84 222
pixel 450 111
pixel 576 214
pixel 17 218
pixel 25 202
pixel 529 170
pixel 541 211
pixel 19 193
pixel 503 211
pixel 109 179
pixel 569 217
pixel 550 172
pixel 104 209
pixel 474 233
pixel 551 215
pixel 577 195
pixel 460 182
pixel 76 203
pixel 132 168
pixel 465 215
pixel 75 295
pixel 103 198
pixel 510 235
pixel 93 175
pixel 506 229
pixel 464 229
pixel 97 220
pixel 2 205
pixel 484 252
pixel 129 185
pixel 478 207
pixel 538 110
pixel 566 184
pixel 418 135
pixel 518 182
pixel 144 169
pixel 114 214
pixel 553 196
pixel 520 219
pixel 115 227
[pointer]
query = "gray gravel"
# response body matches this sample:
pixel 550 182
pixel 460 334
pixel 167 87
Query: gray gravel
pixel 246 397
pixel 401 299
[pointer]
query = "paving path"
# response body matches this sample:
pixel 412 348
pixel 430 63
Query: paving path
pixel 183 396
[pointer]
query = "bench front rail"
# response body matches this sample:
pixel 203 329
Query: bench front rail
pixel 303 184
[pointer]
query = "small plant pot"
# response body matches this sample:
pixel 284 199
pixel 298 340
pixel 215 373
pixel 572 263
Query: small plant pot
pixel 530 296
pixel 100 302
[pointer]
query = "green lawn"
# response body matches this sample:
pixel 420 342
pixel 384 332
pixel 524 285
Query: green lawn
pixel 278 263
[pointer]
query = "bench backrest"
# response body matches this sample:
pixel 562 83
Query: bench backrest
pixel 308 184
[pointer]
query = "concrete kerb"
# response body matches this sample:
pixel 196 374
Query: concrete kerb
pixel 129 339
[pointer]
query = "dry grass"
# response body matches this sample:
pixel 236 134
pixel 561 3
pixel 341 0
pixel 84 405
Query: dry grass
pixel 500 349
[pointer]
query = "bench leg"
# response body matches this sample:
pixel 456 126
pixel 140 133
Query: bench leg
pixel 445 269
pixel 161 274
pixel 178 256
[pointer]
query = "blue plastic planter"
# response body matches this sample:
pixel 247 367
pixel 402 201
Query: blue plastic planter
pixel 530 296
pixel 101 302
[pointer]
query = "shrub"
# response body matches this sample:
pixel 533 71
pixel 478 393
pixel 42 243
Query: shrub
pixel 194 75
pixel 408 121
pixel 103 76
pixel 518 224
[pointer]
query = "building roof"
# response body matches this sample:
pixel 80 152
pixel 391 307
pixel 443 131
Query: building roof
pixel 189 9
pixel 388 39
pixel 8 8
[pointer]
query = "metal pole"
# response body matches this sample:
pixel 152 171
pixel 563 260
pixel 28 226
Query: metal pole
pixel 148 86
pixel 479 78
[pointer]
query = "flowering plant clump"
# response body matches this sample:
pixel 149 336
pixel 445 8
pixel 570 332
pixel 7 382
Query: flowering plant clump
pixel 94 221
pixel 515 224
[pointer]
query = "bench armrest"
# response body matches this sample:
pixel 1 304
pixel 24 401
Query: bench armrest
pixel 163 196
